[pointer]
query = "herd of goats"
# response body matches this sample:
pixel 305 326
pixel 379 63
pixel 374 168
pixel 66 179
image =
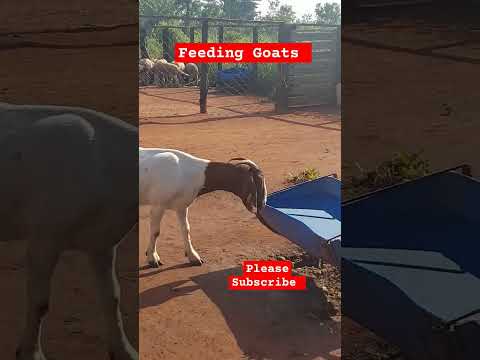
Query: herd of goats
pixel 161 73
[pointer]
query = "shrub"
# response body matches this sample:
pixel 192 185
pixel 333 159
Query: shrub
pixel 402 167
pixel 307 174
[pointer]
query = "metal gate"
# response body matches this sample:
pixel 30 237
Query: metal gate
pixel 315 83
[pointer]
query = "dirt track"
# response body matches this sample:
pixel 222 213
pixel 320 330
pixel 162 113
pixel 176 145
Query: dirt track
pixel 187 312
pixel 399 101
pixel 65 54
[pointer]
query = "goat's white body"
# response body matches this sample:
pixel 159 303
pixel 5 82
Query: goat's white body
pixel 169 178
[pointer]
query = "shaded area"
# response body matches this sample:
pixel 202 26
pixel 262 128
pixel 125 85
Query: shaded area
pixel 265 324
pixel 230 107
pixel 90 28
pixel 68 71
pixel 420 52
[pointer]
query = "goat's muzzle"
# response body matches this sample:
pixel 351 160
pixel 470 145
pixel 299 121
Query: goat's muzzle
pixel 259 180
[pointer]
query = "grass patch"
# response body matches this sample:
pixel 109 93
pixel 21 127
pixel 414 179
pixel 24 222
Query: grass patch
pixel 307 174
pixel 402 167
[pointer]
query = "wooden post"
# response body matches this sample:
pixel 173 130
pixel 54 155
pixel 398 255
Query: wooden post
pixel 220 40
pixel 192 34
pixel 281 93
pixel 143 47
pixel 204 72
pixel 145 27
pixel 254 65
pixel 165 45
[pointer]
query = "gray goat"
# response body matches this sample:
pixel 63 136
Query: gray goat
pixel 68 181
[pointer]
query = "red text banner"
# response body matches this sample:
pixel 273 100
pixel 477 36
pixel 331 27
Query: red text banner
pixel 244 52
pixel 266 275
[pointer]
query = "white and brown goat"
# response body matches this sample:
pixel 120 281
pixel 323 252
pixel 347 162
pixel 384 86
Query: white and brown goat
pixel 172 180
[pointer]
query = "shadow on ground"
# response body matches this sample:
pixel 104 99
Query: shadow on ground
pixel 266 324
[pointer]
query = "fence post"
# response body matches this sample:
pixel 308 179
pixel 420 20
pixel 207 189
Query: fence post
pixel 192 34
pixel 143 47
pixel 254 65
pixel 165 45
pixel 339 54
pixel 281 93
pixel 204 72
pixel 220 40
pixel 338 59
pixel 144 27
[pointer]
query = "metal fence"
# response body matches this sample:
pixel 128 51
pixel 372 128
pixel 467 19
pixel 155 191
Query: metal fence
pixel 315 83
pixel 159 34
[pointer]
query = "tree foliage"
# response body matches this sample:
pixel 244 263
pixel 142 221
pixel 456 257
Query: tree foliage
pixel 240 9
pixel 325 12
pixel 307 19
pixel 279 12
pixel 234 9
pixel 328 13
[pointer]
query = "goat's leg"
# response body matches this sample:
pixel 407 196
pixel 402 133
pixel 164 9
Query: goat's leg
pixel 163 80
pixel 190 252
pixel 104 264
pixel 42 258
pixel 156 215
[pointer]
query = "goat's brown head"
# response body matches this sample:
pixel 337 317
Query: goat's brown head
pixel 254 190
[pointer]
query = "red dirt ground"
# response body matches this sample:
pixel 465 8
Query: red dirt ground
pixel 187 312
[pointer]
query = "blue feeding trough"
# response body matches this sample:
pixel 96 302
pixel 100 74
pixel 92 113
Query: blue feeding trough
pixel 410 265
pixel 235 79
pixel 308 214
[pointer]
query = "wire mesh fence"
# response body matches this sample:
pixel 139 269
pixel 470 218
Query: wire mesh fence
pixel 231 78
pixel 159 34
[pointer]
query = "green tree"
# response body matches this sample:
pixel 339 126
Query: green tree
pixel 240 9
pixel 306 19
pixel 233 9
pixel 328 13
pixel 286 13
pixel 210 8
pixel 279 12
pixel 156 7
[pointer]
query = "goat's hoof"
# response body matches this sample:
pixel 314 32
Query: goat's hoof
pixel 197 262
pixel 155 264
pixel 154 260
